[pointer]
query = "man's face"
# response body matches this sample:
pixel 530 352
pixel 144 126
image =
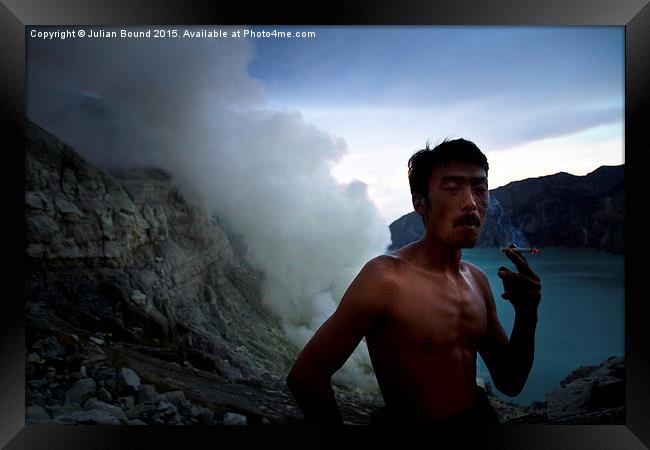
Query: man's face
pixel 458 203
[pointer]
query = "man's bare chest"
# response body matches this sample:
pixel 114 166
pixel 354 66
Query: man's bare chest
pixel 435 315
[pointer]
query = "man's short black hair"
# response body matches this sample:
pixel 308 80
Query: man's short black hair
pixel 423 161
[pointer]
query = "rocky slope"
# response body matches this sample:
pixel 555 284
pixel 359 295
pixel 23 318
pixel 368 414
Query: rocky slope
pixel 141 309
pixel 589 395
pixel 132 276
pixel 560 210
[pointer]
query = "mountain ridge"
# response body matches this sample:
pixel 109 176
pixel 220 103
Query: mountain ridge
pixel 559 210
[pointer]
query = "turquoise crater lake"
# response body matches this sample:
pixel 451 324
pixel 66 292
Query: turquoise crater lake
pixel 581 315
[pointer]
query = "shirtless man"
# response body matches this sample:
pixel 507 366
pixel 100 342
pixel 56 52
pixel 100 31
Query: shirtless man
pixel 425 313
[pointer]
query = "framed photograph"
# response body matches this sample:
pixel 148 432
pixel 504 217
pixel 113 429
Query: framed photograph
pixel 197 187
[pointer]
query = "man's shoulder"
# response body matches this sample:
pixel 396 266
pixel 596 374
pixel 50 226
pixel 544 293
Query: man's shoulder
pixel 478 275
pixel 474 269
pixel 384 272
pixel 382 266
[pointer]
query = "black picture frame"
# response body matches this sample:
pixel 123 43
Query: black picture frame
pixel 634 15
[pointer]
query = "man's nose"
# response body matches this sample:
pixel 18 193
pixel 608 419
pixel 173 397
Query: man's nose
pixel 469 202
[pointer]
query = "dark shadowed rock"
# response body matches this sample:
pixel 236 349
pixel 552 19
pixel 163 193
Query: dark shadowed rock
pixel 36 414
pixel 80 391
pixel 147 394
pixel 113 410
pixel 129 379
pixel 96 417
pixel 234 419
pixel 173 397
pixel 48 347
pixel 104 395
pixel 588 395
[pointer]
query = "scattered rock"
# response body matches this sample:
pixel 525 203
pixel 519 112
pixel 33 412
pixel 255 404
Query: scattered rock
pixel 64 420
pixel 34 200
pixel 141 411
pixel 166 408
pixel 136 422
pixel 48 347
pixel 80 391
pixel 202 415
pixel 173 396
pixel 34 358
pixel 113 410
pixel 129 378
pixel 96 416
pixel 128 402
pixel 147 394
pixel 234 419
pixel 586 390
pixel 104 395
pixel 62 410
pixel 97 340
pixel 36 414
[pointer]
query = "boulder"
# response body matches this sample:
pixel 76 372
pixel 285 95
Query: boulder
pixel 234 419
pixel 48 347
pixel 104 395
pixel 141 411
pixel 147 394
pixel 203 415
pixel 113 410
pixel 80 391
pixel 36 414
pixel 96 416
pixel 136 422
pixel 165 408
pixel 173 396
pixel 129 379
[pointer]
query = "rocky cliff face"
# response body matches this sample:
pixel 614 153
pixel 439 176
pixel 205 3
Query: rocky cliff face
pixel 560 210
pixel 123 273
pixel 588 395
pixel 126 255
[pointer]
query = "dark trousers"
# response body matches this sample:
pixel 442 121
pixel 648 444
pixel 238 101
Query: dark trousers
pixel 481 414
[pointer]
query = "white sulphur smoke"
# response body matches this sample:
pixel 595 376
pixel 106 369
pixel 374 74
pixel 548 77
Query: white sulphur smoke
pixel 191 108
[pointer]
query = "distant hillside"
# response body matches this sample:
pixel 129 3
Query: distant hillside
pixel 560 210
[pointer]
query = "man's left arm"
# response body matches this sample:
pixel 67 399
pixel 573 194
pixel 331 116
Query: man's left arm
pixel 510 360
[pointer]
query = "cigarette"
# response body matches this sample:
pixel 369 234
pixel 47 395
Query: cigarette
pixel 531 250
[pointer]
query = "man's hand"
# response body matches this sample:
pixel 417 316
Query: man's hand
pixel 522 289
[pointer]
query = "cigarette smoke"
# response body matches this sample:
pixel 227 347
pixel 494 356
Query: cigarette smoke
pixel 510 234
pixel 190 107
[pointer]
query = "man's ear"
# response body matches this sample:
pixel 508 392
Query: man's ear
pixel 419 203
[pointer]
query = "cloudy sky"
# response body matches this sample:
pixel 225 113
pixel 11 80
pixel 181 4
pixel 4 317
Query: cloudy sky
pixel 536 100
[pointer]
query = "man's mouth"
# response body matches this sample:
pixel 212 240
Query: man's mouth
pixel 468 221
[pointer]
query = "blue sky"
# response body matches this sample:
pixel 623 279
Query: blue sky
pixel 536 100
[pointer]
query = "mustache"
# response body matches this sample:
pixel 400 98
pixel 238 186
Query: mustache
pixel 469 219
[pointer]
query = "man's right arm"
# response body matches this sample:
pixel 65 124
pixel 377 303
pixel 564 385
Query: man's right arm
pixel 310 378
